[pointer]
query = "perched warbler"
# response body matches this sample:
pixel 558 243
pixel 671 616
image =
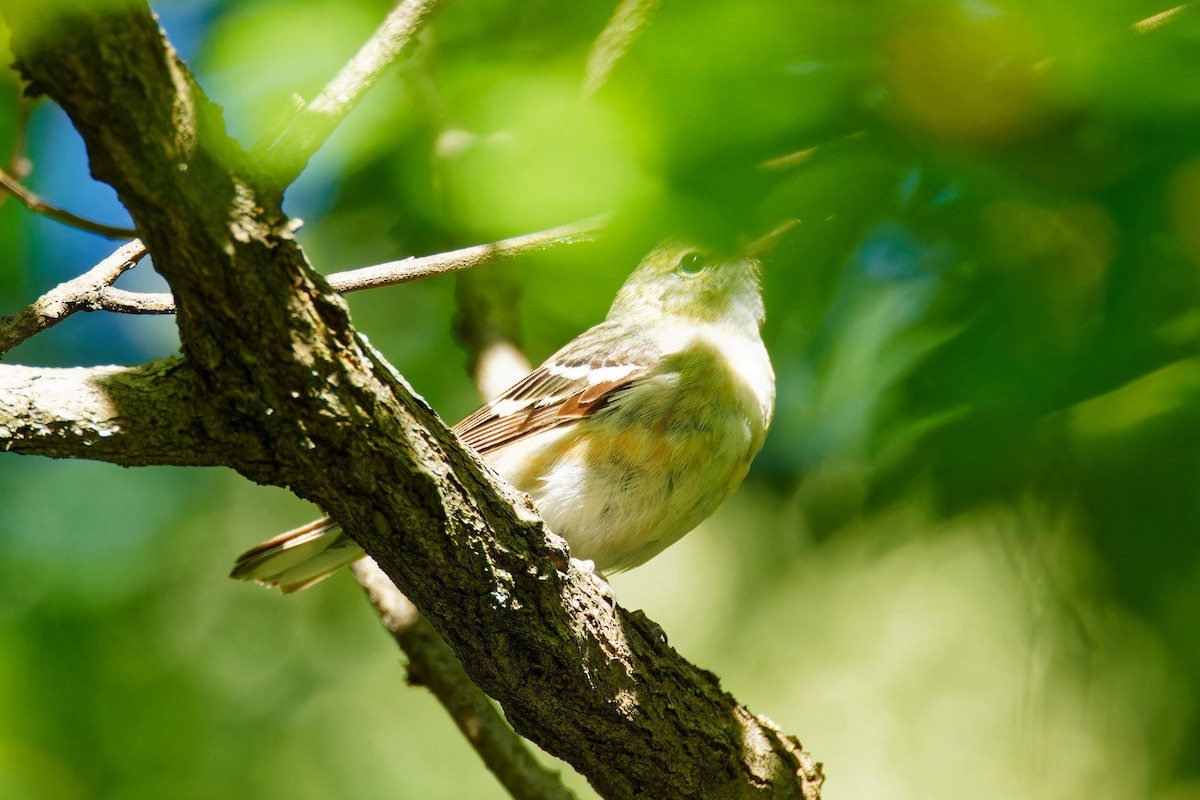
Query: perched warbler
pixel 626 438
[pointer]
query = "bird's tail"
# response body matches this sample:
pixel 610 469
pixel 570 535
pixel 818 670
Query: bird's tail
pixel 298 558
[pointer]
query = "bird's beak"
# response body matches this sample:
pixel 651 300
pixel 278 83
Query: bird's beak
pixel 764 244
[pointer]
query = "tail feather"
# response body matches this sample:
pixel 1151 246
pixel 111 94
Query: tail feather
pixel 298 558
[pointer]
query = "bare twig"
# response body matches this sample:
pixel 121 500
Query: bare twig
pixel 77 294
pixel 413 269
pixel 317 121
pixel 615 40
pixel 433 665
pixel 392 272
pixel 120 301
pixel 39 206
pixel 93 291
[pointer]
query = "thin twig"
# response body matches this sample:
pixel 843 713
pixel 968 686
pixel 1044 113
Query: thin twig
pixel 392 272
pixel 39 206
pixel 433 665
pixel 77 294
pixel 317 121
pixel 615 40
pixel 413 269
pixel 110 298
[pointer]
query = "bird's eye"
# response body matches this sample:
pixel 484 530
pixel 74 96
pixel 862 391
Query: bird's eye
pixel 691 264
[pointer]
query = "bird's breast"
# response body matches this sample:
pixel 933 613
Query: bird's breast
pixel 657 459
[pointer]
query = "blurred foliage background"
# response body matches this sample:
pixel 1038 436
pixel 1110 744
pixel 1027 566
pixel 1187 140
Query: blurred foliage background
pixel 967 563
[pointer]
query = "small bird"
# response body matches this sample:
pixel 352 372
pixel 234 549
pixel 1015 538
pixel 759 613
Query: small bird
pixel 626 438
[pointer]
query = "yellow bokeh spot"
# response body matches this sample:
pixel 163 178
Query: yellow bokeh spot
pixel 1183 200
pixel 965 79
pixel 1061 252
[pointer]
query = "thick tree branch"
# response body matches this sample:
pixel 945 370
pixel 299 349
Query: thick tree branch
pixel 318 119
pixel 484 323
pixel 276 355
pixel 155 414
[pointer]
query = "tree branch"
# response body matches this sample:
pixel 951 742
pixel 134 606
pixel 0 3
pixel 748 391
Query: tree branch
pixel 318 119
pixel 278 361
pixel 154 414
pixel 79 294
pixel 86 294
pixel 485 324
pixel 39 206
pixel 415 269
pixel 433 664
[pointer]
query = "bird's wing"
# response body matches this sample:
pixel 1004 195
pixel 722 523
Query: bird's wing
pixel 575 382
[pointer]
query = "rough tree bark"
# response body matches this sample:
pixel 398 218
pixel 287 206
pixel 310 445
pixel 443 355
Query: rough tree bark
pixel 275 382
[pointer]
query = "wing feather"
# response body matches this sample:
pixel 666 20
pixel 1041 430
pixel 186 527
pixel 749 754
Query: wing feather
pixel 575 382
